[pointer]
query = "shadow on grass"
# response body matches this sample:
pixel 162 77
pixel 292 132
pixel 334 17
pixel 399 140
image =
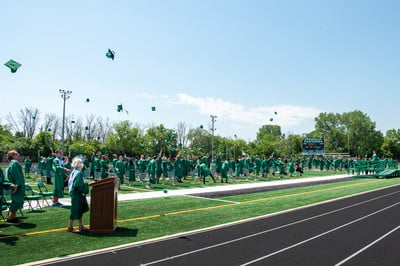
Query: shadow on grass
pixel 10 241
pixel 119 232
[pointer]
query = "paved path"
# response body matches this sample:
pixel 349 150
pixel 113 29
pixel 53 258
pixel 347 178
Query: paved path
pixel 211 189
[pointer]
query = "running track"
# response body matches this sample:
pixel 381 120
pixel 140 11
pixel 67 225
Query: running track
pixel 358 230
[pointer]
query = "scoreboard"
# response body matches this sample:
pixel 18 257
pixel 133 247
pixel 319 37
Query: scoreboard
pixel 313 146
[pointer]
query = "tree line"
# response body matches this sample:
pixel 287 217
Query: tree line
pixel 29 132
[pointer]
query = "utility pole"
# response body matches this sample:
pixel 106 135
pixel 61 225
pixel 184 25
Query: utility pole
pixel 65 95
pixel 213 119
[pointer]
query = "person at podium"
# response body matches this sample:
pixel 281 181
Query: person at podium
pixel 77 188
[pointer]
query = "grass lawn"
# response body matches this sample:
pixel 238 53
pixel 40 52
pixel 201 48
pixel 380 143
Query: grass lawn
pixel 43 235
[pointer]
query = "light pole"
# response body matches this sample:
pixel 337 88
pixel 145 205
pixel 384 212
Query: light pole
pixel 65 95
pixel 234 148
pixel 213 119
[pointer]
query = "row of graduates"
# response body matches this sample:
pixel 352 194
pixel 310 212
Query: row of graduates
pixel 151 168
pixel 353 164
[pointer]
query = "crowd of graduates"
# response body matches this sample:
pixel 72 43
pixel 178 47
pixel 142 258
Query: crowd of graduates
pixel 57 170
pixel 151 169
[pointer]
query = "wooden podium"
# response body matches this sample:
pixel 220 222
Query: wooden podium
pixel 103 205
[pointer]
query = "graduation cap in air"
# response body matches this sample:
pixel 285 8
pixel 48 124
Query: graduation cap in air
pixel 201 126
pixel 87 100
pixel 271 119
pixel 119 108
pixel 86 128
pixel 49 129
pixel 275 112
pixel 153 108
pixel 13 65
pixel 110 54
pixel 72 122
pixel 33 117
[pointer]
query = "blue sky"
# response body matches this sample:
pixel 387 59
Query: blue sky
pixel 239 60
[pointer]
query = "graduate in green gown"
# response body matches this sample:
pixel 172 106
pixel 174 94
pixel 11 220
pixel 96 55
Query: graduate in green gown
pixel 60 175
pixel 120 169
pixel 224 171
pixel 16 177
pixel 132 171
pixel 27 166
pixel 77 189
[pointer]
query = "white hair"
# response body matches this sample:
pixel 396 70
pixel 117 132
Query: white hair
pixel 77 162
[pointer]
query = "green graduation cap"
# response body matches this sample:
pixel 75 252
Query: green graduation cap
pixel 119 108
pixel 72 122
pixel 87 100
pixel 13 65
pixel 275 112
pixel 153 108
pixel 49 129
pixel 86 128
pixel 271 119
pixel 110 54
pixel 201 126
pixel 33 117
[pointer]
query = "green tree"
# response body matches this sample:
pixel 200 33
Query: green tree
pixel 353 131
pixel 199 141
pixel 124 138
pixel 391 144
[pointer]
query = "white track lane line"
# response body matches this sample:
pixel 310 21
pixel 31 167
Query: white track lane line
pixel 319 235
pixel 367 246
pixel 267 231
pixel 204 198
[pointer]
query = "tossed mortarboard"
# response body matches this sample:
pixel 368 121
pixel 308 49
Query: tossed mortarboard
pixel 201 126
pixel 87 100
pixel 119 108
pixel 33 117
pixel 276 112
pixel 13 65
pixel 153 108
pixel 49 129
pixel 271 119
pixel 86 128
pixel 72 121
pixel 110 54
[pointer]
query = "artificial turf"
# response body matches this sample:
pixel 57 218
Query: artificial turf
pixel 43 235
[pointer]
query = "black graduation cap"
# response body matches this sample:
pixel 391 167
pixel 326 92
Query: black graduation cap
pixel 13 65
pixel 72 122
pixel 110 54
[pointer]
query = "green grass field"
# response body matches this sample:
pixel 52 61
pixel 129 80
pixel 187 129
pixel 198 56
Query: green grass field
pixel 43 235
